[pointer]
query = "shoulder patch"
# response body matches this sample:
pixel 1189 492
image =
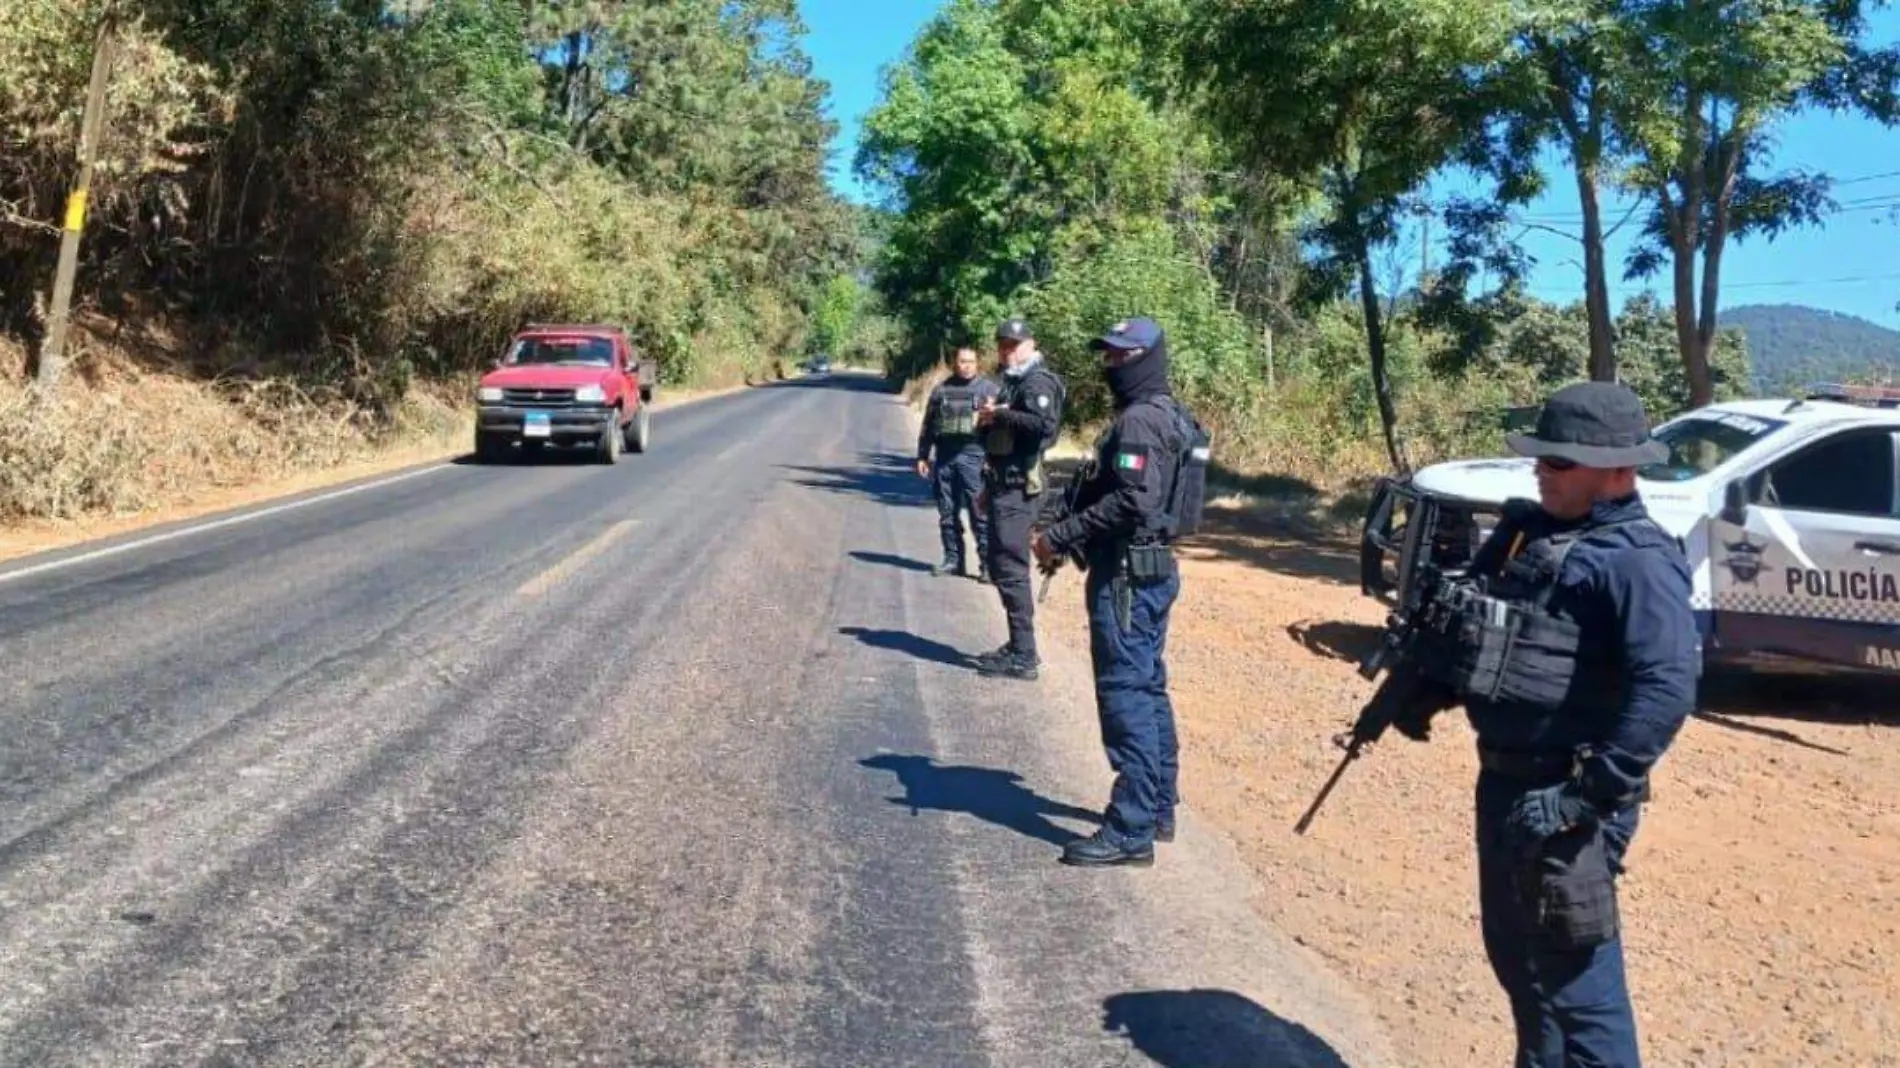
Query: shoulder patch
pixel 1131 462
pixel 1042 400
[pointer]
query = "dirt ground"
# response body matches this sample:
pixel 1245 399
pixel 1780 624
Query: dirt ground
pixel 1763 899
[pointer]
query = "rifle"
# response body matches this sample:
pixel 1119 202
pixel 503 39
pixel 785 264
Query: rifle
pixel 1057 507
pixel 1406 691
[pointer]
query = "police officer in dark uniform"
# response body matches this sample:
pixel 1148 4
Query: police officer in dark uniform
pixel 1018 427
pixel 949 431
pixel 1125 517
pixel 1576 657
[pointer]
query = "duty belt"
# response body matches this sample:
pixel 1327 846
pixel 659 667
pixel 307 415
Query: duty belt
pixel 1527 765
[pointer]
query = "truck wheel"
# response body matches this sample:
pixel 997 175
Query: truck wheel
pixel 490 448
pixel 639 432
pixel 608 449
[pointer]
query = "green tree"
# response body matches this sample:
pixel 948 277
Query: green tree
pixel 836 319
pixel 1705 83
pixel 1380 101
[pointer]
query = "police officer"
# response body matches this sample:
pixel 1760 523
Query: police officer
pixel 1589 657
pixel 950 431
pixel 1123 523
pixel 1018 427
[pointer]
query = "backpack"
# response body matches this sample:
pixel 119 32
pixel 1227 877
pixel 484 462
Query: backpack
pixel 1193 449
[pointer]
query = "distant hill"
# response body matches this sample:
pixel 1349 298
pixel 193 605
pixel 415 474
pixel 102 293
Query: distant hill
pixel 1792 345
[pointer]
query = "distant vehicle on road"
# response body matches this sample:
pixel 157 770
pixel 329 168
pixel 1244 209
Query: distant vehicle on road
pixel 1788 511
pixel 819 365
pixel 566 385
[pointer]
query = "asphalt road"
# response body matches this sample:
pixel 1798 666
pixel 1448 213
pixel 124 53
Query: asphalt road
pixel 673 762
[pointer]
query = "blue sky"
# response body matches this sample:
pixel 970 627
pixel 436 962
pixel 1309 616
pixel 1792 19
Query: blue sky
pixel 1850 264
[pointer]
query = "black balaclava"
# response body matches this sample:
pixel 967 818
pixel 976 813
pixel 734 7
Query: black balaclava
pixel 1146 375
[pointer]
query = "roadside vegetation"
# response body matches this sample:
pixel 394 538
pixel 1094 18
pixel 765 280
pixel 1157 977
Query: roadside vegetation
pixel 1254 174
pixel 311 223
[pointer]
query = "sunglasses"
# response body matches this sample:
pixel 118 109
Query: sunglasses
pixel 1556 463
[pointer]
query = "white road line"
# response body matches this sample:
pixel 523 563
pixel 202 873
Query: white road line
pixel 228 521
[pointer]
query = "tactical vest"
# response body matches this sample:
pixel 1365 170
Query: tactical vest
pixel 956 411
pixel 999 442
pixel 1495 639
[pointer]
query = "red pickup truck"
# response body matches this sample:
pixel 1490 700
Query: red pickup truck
pixel 565 385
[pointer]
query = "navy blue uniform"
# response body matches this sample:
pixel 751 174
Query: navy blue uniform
pixel 1123 528
pixel 1626 586
pixel 1022 428
pixel 949 441
pixel 1135 468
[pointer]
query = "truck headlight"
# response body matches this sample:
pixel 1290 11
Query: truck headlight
pixel 489 394
pixel 590 395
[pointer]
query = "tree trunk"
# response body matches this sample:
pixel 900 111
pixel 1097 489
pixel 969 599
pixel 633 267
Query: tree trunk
pixel 1375 345
pixel 1596 280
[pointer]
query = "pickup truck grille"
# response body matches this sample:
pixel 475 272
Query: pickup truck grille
pixel 538 398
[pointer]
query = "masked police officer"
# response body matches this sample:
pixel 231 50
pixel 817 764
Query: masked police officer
pixel 1018 427
pixel 1588 656
pixel 1126 515
pixel 949 430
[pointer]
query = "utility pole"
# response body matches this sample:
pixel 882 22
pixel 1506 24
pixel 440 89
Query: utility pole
pixel 53 352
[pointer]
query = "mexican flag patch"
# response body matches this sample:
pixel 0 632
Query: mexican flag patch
pixel 1129 461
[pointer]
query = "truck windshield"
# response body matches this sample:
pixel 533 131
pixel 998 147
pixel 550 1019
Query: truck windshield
pixel 1702 443
pixel 572 350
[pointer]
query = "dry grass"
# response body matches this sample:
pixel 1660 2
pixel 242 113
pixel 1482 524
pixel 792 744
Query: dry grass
pixel 118 437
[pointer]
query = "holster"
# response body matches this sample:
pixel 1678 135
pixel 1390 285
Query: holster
pixel 1570 887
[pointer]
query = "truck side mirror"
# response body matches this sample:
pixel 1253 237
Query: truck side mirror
pixel 1735 502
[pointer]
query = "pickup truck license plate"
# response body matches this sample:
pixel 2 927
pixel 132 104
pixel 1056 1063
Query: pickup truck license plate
pixel 535 425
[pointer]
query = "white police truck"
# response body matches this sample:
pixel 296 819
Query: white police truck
pixel 1788 510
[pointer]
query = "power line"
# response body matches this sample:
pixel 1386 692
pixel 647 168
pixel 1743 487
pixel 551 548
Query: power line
pixel 1850 205
pixel 1815 281
pixel 1776 283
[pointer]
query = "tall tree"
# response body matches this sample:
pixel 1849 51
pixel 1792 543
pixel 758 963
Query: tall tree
pixel 1705 83
pixel 1556 85
pixel 1359 101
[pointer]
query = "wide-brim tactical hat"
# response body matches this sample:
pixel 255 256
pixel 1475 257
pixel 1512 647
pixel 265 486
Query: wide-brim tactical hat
pixel 1592 424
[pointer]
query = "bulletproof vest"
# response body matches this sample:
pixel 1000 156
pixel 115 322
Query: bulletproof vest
pixel 1494 638
pixel 1000 444
pixel 956 410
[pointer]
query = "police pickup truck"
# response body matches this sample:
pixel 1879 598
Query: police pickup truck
pixel 1788 510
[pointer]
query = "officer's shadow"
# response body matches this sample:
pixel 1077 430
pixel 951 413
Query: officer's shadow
pixel 901 641
pixel 989 794
pixel 1176 1028
pixel 889 560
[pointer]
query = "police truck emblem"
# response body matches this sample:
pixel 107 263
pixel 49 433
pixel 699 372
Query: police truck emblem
pixel 1744 559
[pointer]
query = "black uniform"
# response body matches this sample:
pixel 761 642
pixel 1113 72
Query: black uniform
pixel 1025 425
pixel 950 432
pixel 1126 515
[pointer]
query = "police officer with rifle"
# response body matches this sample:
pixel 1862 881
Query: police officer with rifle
pixel 1018 427
pixel 949 431
pixel 1142 489
pixel 1571 643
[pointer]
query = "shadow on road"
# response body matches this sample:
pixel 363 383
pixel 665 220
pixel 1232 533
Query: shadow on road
pixel 989 794
pixel 886 478
pixel 533 456
pixel 1179 1028
pixel 890 560
pixel 901 641
pixel 847 381
pixel 1335 639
